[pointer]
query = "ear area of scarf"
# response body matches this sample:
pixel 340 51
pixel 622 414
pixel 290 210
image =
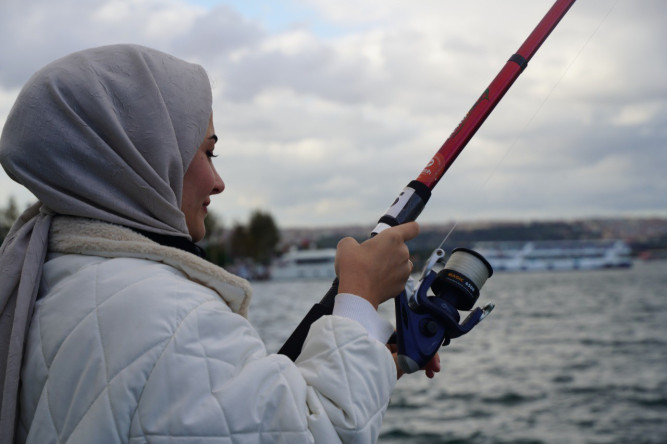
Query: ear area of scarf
pixel 74 235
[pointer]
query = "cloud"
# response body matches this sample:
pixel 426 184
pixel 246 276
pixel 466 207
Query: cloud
pixel 327 109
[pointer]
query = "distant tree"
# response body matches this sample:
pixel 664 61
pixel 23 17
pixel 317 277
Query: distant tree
pixel 213 242
pixel 263 236
pixel 214 227
pixel 257 240
pixel 238 242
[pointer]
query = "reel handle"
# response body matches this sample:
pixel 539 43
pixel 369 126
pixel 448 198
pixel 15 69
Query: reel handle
pixel 418 336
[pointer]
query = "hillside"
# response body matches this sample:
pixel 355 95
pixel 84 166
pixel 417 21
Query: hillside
pixel 644 235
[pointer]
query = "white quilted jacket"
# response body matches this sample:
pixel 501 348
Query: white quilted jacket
pixel 135 342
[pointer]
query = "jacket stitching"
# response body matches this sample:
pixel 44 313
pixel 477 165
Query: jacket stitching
pixel 210 382
pixel 55 427
pixel 104 356
pixel 353 414
pixel 155 362
pixel 105 389
pixel 345 366
pixel 294 400
pixel 91 312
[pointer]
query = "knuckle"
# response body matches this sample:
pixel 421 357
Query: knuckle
pixel 345 241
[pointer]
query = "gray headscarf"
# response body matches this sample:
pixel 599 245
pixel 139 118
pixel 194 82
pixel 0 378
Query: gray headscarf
pixel 107 134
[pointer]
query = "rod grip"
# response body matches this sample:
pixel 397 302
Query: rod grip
pixel 406 207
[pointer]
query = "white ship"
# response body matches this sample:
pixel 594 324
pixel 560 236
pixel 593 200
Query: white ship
pixel 305 264
pixel 555 255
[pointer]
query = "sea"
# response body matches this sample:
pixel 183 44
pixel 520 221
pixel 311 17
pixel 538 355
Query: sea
pixel 565 357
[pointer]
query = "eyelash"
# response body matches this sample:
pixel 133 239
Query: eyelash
pixel 210 154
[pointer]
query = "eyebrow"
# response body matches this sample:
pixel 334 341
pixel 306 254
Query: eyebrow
pixel 214 138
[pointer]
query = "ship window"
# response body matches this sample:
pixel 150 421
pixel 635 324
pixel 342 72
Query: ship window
pixel 315 260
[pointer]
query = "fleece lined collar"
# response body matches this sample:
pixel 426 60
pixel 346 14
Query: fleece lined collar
pixel 74 235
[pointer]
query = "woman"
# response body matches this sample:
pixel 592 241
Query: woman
pixel 113 329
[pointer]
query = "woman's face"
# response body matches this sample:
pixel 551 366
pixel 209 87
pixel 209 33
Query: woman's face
pixel 201 180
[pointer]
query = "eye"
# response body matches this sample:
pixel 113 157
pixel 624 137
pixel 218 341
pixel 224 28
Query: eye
pixel 210 154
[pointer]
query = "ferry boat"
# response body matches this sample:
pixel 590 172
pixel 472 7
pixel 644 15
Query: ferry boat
pixel 555 255
pixel 305 264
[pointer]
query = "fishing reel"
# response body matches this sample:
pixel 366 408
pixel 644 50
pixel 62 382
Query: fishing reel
pixel 424 321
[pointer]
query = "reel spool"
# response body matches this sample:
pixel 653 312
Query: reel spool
pixel 464 274
pixel 424 322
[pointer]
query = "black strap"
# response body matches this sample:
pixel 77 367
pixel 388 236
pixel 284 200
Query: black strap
pixel 174 241
pixel 293 345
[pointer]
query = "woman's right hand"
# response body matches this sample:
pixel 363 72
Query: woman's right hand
pixel 378 268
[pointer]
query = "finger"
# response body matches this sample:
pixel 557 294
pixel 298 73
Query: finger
pixel 408 230
pixel 432 367
pixel 434 363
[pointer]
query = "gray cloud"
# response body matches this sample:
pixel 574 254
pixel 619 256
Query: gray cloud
pixel 327 127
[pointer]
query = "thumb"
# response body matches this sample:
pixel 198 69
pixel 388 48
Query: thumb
pixel 408 230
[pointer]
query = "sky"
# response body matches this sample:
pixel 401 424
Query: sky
pixel 326 110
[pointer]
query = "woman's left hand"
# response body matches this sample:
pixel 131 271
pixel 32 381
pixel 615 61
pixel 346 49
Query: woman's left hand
pixel 430 369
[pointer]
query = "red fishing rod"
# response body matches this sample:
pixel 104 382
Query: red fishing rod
pixel 412 200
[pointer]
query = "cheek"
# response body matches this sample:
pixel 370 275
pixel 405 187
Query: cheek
pixel 190 182
pixel 186 198
pixel 198 180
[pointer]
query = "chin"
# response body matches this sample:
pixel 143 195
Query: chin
pixel 197 233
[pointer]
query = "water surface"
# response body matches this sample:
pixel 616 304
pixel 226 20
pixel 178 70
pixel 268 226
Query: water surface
pixel 566 357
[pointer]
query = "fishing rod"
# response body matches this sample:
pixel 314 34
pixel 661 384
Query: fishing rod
pixel 413 198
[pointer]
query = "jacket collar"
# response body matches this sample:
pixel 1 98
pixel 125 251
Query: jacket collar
pixel 75 235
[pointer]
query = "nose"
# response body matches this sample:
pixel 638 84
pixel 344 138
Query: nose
pixel 218 184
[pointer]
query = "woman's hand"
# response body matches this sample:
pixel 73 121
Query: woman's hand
pixel 430 369
pixel 378 268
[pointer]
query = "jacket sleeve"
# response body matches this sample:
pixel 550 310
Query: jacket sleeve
pixel 214 379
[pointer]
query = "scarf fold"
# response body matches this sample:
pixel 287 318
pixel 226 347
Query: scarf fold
pixel 106 134
pixel 21 259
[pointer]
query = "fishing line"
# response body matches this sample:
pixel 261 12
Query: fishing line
pixel 413 198
pixel 537 111
pixel 469 265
